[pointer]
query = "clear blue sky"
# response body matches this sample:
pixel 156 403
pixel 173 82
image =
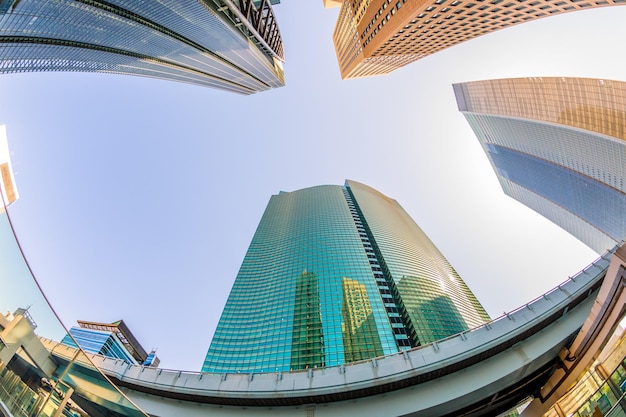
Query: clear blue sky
pixel 139 197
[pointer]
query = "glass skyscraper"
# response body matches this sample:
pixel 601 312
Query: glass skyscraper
pixel 206 42
pixel 114 340
pixel 335 275
pixel 558 145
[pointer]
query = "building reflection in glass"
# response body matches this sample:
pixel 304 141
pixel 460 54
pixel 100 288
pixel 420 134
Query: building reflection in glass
pixel 360 336
pixel 307 346
pixel 433 313
pixel 39 377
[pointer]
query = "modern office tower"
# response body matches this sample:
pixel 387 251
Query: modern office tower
pixel 374 37
pixel 558 145
pixel 335 275
pixel 8 188
pixel 110 339
pixel 230 45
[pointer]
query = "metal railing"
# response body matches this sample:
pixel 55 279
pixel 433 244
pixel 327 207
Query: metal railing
pixel 257 22
pixel 513 321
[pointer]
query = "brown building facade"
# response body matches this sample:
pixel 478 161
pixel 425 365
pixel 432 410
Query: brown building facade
pixel 374 37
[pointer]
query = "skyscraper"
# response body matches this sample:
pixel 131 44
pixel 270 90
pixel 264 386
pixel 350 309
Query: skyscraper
pixel 8 189
pixel 114 340
pixel 374 37
pixel 558 145
pixel 212 43
pixel 334 275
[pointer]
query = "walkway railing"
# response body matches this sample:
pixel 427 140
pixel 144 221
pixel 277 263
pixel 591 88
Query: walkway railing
pixel 385 373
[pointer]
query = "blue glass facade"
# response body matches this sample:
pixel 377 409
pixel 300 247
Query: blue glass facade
pixel 314 289
pixel 600 205
pixel 558 145
pixel 98 342
pixel 191 41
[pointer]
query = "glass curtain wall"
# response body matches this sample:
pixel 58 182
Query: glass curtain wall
pixel 39 377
